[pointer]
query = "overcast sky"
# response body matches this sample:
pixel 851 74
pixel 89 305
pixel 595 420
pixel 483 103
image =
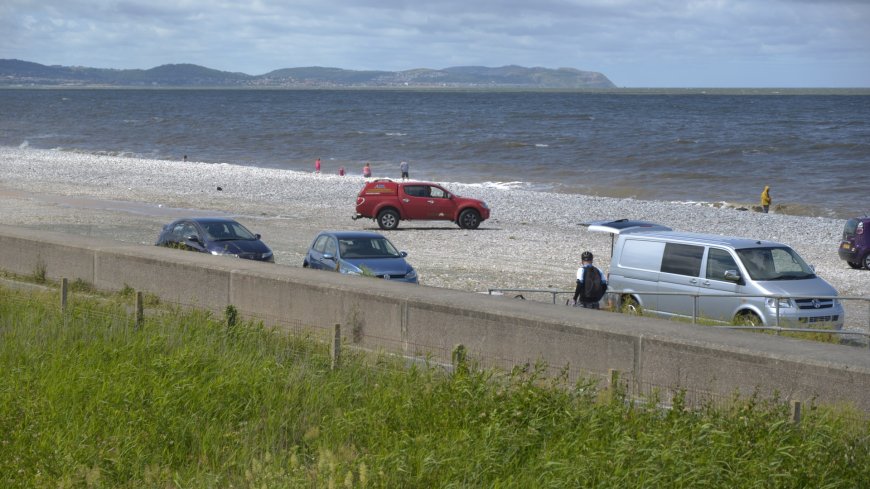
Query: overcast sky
pixel 635 43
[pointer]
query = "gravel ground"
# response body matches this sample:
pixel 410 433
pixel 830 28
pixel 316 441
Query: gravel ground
pixel 532 240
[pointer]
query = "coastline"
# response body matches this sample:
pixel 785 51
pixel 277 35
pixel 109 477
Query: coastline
pixel 533 239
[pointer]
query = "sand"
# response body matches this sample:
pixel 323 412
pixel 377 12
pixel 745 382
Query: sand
pixel 532 240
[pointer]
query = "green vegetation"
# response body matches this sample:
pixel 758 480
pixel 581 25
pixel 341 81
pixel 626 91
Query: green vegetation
pixel 186 401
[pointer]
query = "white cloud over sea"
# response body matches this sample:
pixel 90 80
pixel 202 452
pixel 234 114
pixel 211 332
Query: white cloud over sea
pixel 636 43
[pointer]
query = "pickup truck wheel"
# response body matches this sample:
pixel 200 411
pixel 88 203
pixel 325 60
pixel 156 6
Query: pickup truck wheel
pixel 388 219
pixel 469 219
pixel 854 264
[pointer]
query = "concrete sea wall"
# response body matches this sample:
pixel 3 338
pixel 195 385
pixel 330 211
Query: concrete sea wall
pixel 429 322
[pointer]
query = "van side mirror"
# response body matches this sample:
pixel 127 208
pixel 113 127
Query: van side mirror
pixel 732 275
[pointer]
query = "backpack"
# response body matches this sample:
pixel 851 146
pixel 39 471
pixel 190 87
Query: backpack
pixel 593 288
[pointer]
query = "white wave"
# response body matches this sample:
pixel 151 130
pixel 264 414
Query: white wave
pixel 496 185
pixel 24 144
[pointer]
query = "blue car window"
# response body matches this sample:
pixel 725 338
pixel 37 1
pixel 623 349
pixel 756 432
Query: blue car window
pixel 189 230
pixel 331 247
pixel 320 244
pixel 177 233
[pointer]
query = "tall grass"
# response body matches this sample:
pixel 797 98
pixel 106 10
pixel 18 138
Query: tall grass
pixel 89 401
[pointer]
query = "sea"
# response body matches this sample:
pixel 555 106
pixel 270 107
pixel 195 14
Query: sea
pixel 711 147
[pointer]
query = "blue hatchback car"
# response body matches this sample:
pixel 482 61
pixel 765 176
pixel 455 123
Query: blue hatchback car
pixel 359 253
pixel 215 235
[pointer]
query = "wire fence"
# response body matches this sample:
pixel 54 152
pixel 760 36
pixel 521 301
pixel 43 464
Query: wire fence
pixel 850 333
pixel 336 341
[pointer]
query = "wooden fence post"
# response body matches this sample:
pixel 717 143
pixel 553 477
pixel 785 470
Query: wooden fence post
pixel 336 346
pixel 613 375
pixel 459 358
pixel 64 290
pixel 796 412
pixel 140 310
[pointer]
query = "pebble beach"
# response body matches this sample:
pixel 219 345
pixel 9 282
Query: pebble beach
pixel 533 240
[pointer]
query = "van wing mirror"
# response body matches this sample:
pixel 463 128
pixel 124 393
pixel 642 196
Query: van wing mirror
pixel 732 275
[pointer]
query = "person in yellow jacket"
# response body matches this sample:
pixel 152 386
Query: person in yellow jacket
pixel 765 199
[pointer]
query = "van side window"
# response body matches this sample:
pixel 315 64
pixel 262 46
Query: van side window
pixel 718 261
pixel 682 259
pixel 642 255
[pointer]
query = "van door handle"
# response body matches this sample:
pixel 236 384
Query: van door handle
pixel 706 283
pixel 694 281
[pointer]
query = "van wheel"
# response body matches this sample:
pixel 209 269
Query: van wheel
pixel 630 306
pixel 855 264
pixel 469 219
pixel 747 319
pixel 388 219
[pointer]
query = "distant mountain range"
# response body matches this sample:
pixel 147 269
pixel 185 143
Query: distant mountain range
pixel 17 73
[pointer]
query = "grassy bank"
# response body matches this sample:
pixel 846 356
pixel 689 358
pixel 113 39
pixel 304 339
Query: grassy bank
pixel 90 401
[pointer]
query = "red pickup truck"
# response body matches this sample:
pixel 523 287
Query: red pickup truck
pixel 389 202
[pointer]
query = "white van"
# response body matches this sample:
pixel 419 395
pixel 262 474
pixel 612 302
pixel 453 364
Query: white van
pixel 721 271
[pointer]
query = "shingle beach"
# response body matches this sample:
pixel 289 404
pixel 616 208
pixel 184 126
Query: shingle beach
pixel 533 239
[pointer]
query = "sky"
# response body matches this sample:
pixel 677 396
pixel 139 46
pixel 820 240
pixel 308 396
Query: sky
pixel 635 43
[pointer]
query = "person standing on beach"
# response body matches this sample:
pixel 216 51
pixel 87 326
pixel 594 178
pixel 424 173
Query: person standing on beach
pixel 403 167
pixel 591 283
pixel 341 171
pixel 367 170
pixel 317 166
pixel 765 199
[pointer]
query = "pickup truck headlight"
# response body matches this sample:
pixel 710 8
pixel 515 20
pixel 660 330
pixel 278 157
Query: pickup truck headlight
pixel 783 302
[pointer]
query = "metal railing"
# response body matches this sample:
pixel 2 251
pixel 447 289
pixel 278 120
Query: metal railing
pixel 776 327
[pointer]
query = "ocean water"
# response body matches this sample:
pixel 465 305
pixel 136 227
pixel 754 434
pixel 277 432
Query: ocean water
pixel 812 149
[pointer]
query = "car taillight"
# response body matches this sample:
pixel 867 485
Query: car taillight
pixel 860 228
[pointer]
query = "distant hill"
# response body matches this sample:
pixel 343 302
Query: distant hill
pixel 18 73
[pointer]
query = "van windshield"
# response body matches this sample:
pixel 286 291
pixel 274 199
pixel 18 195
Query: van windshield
pixel 781 263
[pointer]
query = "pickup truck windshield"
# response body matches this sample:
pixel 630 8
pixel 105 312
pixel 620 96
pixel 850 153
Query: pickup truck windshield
pixel 781 263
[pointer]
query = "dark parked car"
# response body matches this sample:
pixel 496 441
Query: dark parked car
pixel 855 246
pixel 215 235
pixel 359 253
